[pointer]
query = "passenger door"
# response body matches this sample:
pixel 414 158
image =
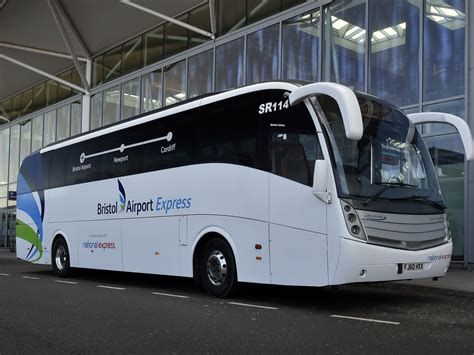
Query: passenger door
pixel 298 249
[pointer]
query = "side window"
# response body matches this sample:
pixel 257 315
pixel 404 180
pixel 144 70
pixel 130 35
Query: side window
pixel 228 132
pixel 293 143
pixel 293 155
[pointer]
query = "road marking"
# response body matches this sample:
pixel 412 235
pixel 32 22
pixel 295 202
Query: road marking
pixel 66 282
pixel 169 295
pixel 112 288
pixel 366 319
pixel 30 277
pixel 4 274
pixel 251 305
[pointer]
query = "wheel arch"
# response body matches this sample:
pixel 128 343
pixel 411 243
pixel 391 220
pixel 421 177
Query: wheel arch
pixel 203 237
pixel 59 234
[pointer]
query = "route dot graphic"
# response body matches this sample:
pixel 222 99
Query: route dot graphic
pixel 82 158
pixel 122 148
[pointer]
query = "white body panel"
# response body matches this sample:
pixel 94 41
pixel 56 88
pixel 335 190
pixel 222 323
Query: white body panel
pixel 297 233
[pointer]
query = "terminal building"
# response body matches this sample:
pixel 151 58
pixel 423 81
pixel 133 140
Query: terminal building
pixel 68 66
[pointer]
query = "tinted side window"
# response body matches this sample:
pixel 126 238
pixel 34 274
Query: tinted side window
pixel 228 132
pixel 292 141
pixel 160 144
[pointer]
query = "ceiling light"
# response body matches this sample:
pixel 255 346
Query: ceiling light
pixel 338 24
pixel 448 11
pixel 358 35
pixel 180 96
pixel 379 35
pixel 403 25
pixel 351 31
pixel 436 18
pixel 389 31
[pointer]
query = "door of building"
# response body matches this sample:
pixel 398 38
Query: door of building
pixel 3 229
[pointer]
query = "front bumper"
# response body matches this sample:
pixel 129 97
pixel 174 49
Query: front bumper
pixel 361 262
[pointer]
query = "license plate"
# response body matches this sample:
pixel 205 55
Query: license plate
pixel 413 267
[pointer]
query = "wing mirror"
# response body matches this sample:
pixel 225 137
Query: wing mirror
pixel 320 180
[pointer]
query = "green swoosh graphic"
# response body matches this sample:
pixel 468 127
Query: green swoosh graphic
pixel 25 232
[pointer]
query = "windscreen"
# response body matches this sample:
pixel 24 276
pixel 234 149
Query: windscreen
pixel 390 162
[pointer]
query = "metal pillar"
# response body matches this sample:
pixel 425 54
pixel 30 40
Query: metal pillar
pixel 167 18
pixel 54 7
pixel 86 101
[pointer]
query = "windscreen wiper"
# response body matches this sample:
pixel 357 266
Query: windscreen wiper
pixel 385 187
pixel 423 199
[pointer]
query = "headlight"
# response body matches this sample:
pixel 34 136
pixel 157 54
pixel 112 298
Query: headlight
pixel 447 229
pixel 353 223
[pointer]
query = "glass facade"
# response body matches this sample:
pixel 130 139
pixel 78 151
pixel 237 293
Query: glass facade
pixel 409 52
pixel 262 55
pixel 300 42
pixel 230 65
pixel 345 43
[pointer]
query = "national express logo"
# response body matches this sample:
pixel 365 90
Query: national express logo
pixel 159 204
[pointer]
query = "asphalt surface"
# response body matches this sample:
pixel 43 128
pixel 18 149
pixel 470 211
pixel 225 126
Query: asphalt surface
pixel 109 312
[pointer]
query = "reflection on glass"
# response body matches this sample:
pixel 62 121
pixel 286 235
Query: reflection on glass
pixel 262 55
pixel 453 107
pixel 199 18
pixel 300 47
pixel 63 90
pixel 14 153
pixel 394 38
pixel 26 101
pixel 152 91
pixel 286 4
pixel 132 55
pixel 131 98
pixel 64 123
pixel 176 37
pixel 37 136
pixel 97 70
pixel 38 97
pixel 444 46
pixel 447 153
pixel 200 74
pixel 25 142
pixel 175 83
pixel 96 111
pixel 111 105
pixel 51 92
pixel 112 63
pixel 344 43
pixel 259 9
pixel 76 118
pixel 230 65
pixel 228 21
pixel 4 154
pixel 49 128
pixel 153 46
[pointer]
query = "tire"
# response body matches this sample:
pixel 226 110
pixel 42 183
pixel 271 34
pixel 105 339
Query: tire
pixel 217 270
pixel 60 258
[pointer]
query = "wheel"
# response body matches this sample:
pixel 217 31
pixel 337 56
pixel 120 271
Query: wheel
pixel 60 256
pixel 217 269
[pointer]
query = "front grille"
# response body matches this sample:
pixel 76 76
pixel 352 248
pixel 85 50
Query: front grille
pixel 412 232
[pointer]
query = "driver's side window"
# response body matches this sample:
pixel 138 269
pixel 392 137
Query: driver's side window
pixel 293 155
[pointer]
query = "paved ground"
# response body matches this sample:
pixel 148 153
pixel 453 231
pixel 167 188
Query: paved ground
pixel 110 312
